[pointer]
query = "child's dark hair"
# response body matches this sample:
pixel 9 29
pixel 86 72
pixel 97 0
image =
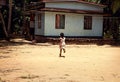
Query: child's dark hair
pixel 62 35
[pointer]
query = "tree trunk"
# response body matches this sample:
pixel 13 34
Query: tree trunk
pixel 10 14
pixel 3 23
pixel 24 20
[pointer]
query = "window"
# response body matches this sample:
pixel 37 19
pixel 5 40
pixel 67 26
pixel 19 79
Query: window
pixel 39 21
pixel 87 22
pixel 60 21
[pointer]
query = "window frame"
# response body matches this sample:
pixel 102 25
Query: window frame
pixel 88 22
pixel 39 21
pixel 60 21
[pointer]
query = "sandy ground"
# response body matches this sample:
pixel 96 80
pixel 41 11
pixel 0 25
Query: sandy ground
pixel 23 62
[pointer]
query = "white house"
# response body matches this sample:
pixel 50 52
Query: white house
pixel 75 18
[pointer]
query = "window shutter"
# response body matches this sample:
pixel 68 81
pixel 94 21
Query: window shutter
pixel 57 21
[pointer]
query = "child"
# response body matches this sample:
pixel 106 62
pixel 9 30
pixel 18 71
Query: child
pixel 62 44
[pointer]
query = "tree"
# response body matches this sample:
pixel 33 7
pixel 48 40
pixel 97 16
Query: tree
pixel 111 24
pixel 2 5
pixel 10 14
pixel 3 25
pixel 113 8
pixel 6 30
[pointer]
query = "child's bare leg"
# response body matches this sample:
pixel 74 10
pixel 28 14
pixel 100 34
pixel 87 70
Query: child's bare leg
pixel 64 50
pixel 60 52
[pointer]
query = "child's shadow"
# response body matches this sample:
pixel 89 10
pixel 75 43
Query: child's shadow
pixel 62 56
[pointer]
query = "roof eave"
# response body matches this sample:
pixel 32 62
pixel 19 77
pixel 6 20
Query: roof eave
pixel 71 11
pixel 79 1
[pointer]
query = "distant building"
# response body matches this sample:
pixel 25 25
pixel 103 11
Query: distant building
pixel 75 18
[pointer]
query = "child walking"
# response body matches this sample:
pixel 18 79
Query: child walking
pixel 62 44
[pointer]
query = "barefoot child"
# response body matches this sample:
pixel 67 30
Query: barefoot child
pixel 62 44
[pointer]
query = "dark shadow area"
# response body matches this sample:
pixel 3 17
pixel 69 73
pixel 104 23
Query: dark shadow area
pixel 14 42
pixel 4 43
pixel 29 77
pixel 112 43
pixel 5 71
pixel 55 41
pixel 89 41
pixel 86 41
pixel 2 57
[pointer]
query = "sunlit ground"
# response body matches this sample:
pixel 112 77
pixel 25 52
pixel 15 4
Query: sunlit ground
pixel 23 62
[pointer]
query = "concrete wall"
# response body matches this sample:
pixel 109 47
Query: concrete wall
pixel 74 25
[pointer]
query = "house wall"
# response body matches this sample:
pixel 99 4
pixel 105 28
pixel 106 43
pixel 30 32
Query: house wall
pixel 39 31
pixel 74 25
pixel 74 5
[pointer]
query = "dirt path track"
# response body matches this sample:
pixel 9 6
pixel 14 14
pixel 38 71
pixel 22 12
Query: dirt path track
pixel 23 62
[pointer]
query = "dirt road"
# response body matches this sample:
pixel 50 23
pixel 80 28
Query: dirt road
pixel 23 62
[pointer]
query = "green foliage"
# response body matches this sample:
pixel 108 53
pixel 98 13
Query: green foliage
pixel 108 35
pixel 115 5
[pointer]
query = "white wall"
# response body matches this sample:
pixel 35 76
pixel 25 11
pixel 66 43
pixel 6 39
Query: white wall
pixel 74 25
pixel 74 5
